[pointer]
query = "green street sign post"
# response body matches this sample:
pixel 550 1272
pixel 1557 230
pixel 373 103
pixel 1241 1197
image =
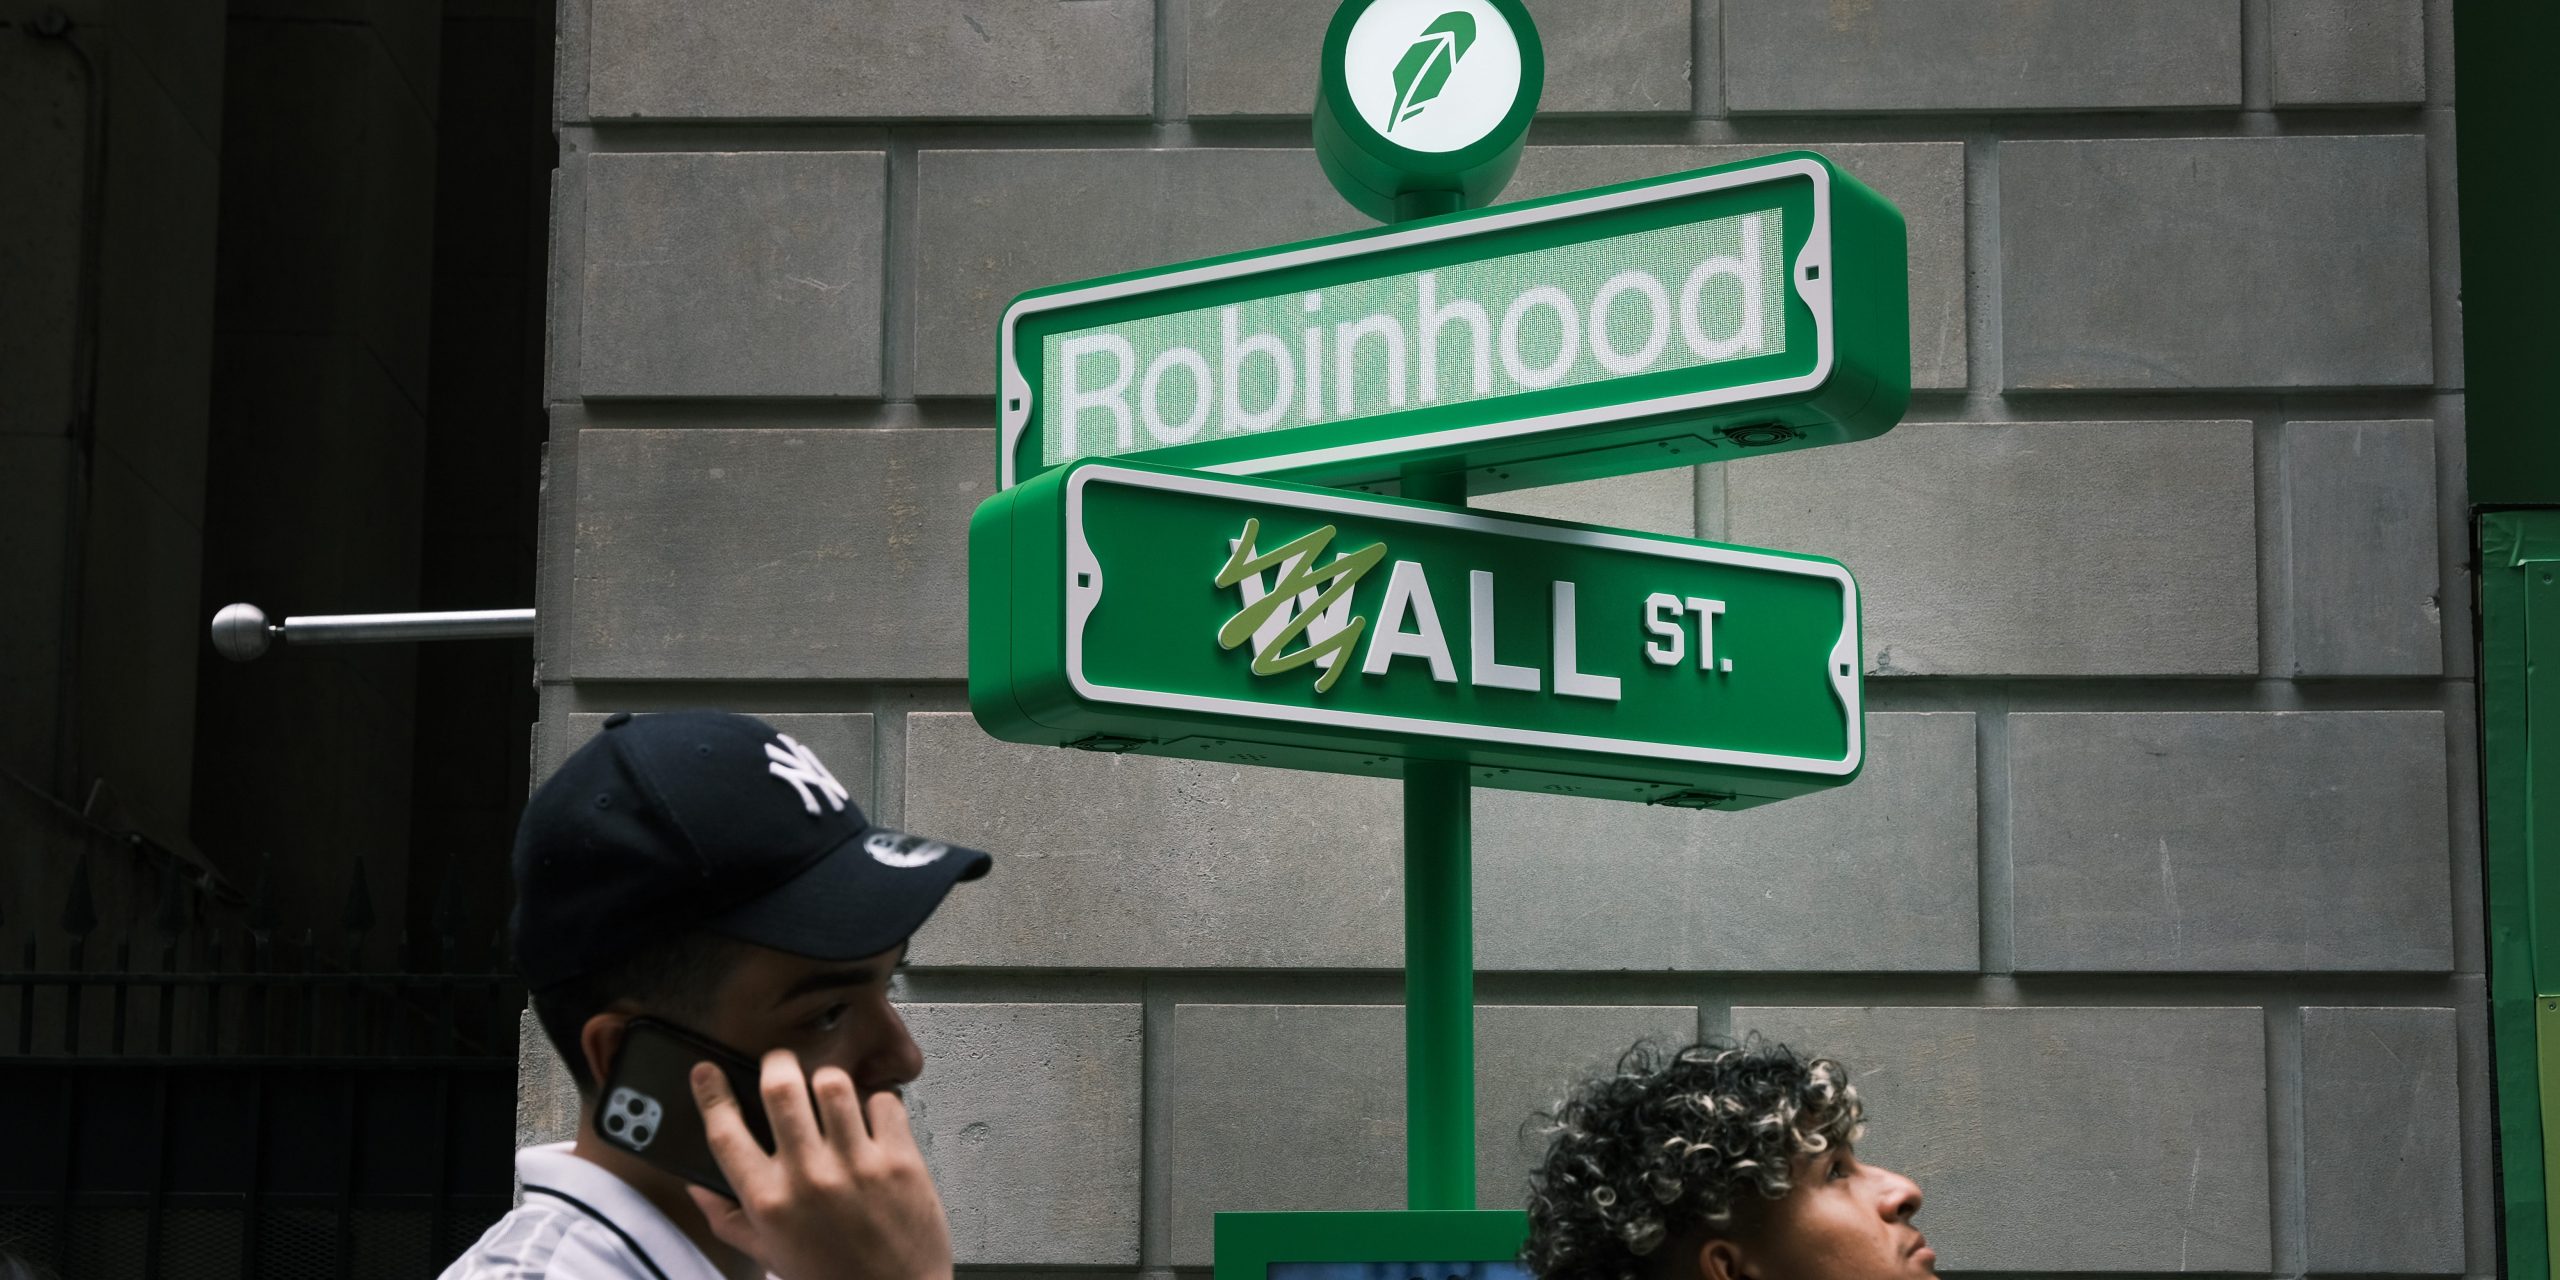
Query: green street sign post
pixel 1691 318
pixel 1149 579
pixel 1131 608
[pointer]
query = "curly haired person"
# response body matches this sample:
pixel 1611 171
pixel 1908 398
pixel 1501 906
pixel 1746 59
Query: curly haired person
pixel 1719 1161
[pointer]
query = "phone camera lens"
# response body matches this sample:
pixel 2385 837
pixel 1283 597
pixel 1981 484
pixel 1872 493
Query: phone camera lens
pixel 640 1135
pixel 636 1106
pixel 613 1123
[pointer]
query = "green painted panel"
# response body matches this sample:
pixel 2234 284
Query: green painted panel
pixel 1689 318
pixel 1249 1244
pixel 2520 767
pixel 2542 752
pixel 1177 613
pixel 2547 1075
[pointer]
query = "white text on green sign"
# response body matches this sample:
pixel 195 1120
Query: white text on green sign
pixel 1646 302
pixel 1519 341
pixel 1255 621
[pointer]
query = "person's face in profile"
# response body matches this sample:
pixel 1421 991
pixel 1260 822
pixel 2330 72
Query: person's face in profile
pixel 1843 1220
pixel 832 1013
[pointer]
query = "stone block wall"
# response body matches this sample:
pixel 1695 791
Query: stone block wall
pixel 2152 930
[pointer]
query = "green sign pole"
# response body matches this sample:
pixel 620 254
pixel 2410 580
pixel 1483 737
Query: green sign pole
pixel 1468 166
pixel 1439 962
pixel 1439 816
pixel 1439 874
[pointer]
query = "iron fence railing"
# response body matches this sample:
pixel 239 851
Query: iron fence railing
pixel 215 1098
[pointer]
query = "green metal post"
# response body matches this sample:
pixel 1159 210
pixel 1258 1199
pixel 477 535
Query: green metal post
pixel 1431 204
pixel 1439 925
pixel 1439 964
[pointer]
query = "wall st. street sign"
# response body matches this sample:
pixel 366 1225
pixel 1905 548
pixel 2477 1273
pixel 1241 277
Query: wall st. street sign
pixel 1127 607
pixel 1676 320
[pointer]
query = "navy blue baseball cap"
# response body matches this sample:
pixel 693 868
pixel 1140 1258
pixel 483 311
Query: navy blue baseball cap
pixel 664 824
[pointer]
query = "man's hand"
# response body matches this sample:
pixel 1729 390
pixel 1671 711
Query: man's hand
pixel 851 1202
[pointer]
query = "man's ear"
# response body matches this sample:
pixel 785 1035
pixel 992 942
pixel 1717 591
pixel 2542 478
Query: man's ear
pixel 600 1040
pixel 1722 1259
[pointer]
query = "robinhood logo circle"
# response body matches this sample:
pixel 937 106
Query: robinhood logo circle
pixel 1433 75
pixel 1425 98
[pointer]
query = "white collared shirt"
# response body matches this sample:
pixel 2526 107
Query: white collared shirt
pixel 579 1222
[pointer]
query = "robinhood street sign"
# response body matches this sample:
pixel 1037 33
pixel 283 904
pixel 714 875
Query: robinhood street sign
pixel 1659 323
pixel 1126 607
pixel 1159 573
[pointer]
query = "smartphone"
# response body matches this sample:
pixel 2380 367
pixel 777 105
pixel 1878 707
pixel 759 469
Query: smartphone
pixel 646 1105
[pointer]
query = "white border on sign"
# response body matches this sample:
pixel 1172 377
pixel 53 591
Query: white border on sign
pixel 1083 564
pixel 1812 285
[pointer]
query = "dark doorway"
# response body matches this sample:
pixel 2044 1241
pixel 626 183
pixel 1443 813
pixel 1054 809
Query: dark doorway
pixel 285 265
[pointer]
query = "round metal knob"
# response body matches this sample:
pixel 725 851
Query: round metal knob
pixel 240 632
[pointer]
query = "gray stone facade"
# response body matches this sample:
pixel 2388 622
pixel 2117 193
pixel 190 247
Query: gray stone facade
pixel 2152 931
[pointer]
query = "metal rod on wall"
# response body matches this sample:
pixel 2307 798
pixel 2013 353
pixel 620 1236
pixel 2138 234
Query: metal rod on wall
pixel 242 633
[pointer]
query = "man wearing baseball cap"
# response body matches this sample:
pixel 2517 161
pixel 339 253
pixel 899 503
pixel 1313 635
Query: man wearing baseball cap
pixel 704 870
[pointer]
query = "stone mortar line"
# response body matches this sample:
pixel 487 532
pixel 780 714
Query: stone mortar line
pixel 2438 23
pixel 1976 405
pixel 898 279
pixel 2444 248
pixel 781 413
pixel 1172 70
pixel 566 272
pixel 2178 694
pixel 1290 132
pixel 2462 820
pixel 2289 1210
pixel 1708 503
pixel 1984 403
pixel 1885 694
pixel 2478 1098
pixel 555 687
pixel 1715 1015
pixel 780 697
pixel 2257 68
pixel 2455 571
pixel 1706 62
pixel 1155 1132
pixel 1995 868
pixel 572 61
pixel 2277 651
pixel 1707 990
pixel 1930 407
pixel 889 769
pixel 1982 329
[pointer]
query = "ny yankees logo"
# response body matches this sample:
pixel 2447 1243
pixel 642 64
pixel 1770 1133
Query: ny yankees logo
pixel 799 766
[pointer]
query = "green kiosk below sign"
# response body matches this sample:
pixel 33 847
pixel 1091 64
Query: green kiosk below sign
pixel 1125 607
pixel 1459 1244
pixel 1676 320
